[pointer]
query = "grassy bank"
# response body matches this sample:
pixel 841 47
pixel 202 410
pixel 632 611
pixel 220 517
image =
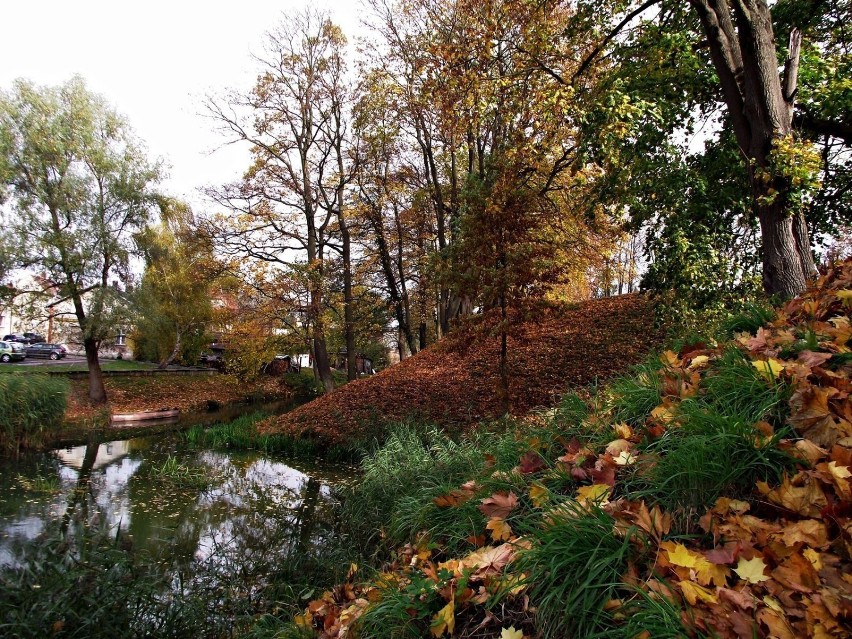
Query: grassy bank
pixel 707 494
pixel 31 407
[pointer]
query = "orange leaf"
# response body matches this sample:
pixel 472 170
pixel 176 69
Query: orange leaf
pixel 498 505
pixel 500 530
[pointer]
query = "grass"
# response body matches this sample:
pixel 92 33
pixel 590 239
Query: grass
pixel 107 365
pixel 576 567
pixel 178 474
pixel 30 406
pixel 242 434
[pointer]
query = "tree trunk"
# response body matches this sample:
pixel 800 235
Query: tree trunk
pixel 760 103
pixel 784 274
pixel 165 363
pixel 97 392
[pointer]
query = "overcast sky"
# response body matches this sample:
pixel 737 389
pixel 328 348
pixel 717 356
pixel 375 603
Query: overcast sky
pixel 153 61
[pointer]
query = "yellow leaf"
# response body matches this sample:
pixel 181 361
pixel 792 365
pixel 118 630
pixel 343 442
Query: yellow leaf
pixel 539 495
pixel 813 556
pixel 623 430
pixel 840 472
pixel 500 530
pixel 693 592
pixel 445 620
pixel 662 414
pixel 511 633
pixel 751 570
pixel 770 369
pixel 680 555
pixel 594 493
pixel 773 603
pixel 697 362
pixel 845 296
pixel 303 621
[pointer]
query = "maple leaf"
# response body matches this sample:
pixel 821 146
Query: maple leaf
pixel 488 561
pixel 807 500
pixel 680 555
pixel 596 493
pixel 845 296
pixel 770 369
pixel 500 530
pixel 751 570
pixel 625 431
pixel 615 448
pixel 811 358
pixel 539 495
pixel 531 462
pixel 693 593
pixel 498 505
pixel 511 633
pixel 444 620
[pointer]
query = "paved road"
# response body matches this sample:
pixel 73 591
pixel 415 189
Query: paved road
pixel 39 361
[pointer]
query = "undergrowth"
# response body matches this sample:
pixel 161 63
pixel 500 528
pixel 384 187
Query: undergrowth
pixel 30 406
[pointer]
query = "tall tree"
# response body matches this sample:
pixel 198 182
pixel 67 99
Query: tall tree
pixel 285 208
pixel 80 186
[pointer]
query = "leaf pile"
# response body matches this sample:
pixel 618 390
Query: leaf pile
pixel 773 562
pixel 456 381
pixel 153 392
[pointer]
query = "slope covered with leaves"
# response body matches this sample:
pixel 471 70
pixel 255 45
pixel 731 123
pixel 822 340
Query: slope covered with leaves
pixel 456 381
pixel 706 495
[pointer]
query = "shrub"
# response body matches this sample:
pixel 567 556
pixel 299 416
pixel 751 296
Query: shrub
pixel 30 405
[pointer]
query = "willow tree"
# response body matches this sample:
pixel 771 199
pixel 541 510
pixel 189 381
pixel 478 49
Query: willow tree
pixel 79 187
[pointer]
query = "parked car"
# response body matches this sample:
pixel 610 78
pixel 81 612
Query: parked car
pixel 35 338
pixel 16 338
pixel 11 352
pixel 50 351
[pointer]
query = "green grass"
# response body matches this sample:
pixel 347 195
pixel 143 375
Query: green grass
pixel 30 406
pixel 242 434
pixel 181 475
pixel 574 568
pixel 107 365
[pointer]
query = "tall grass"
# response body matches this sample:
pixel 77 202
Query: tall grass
pixel 30 405
pixel 574 568
pixel 242 434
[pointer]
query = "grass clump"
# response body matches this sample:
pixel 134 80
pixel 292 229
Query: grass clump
pixel 180 475
pixel 30 406
pixel 574 568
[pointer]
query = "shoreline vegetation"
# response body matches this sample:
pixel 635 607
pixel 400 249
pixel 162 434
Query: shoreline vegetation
pixel 704 493
pixel 41 410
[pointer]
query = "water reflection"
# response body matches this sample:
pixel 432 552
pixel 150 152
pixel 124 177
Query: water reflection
pixel 252 506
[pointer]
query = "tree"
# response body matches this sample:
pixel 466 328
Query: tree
pixel 79 187
pixel 173 300
pixel 282 213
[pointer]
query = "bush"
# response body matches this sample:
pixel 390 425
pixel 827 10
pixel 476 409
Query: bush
pixel 30 405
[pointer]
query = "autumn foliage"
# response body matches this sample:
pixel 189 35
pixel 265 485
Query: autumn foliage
pixel 457 380
pixel 772 560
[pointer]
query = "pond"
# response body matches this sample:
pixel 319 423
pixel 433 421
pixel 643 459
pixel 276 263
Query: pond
pixel 204 515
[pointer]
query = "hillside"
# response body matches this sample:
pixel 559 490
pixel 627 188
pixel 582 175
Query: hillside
pixel 456 381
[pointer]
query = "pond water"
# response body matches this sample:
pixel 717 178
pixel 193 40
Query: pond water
pixel 180 504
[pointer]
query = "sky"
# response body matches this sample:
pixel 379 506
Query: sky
pixel 154 61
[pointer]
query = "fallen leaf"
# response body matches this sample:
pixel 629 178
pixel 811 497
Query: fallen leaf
pixel 693 593
pixel 498 505
pixel 539 495
pixel 445 620
pixel 770 369
pixel 500 530
pixel 511 633
pixel 751 570
pixel 596 493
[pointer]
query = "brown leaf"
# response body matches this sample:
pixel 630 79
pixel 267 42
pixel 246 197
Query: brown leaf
pixel 498 505
pixel 805 499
